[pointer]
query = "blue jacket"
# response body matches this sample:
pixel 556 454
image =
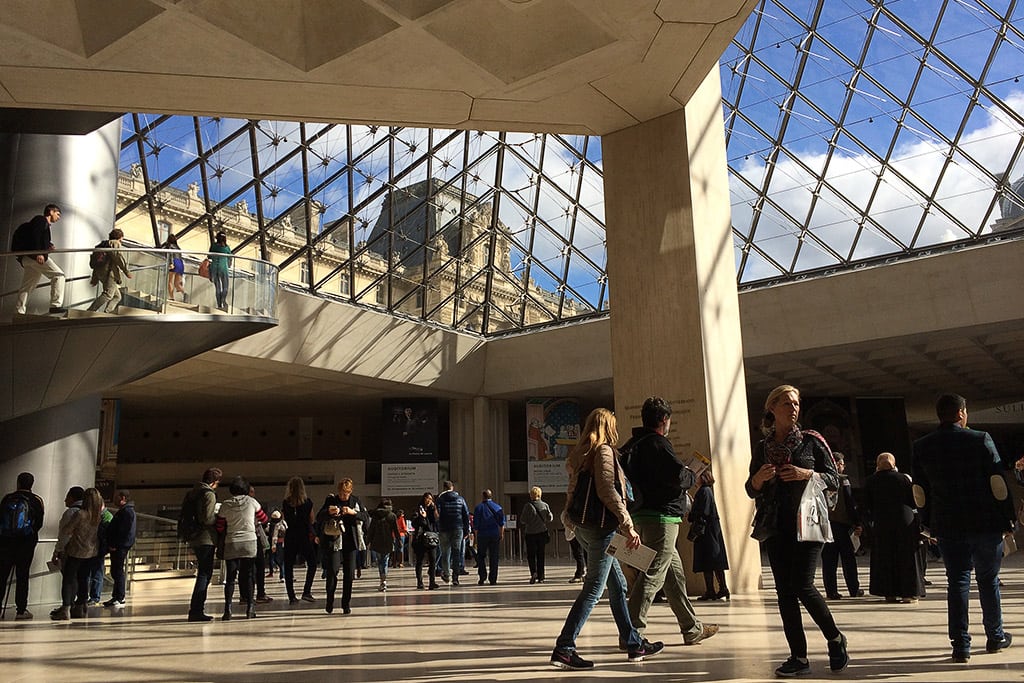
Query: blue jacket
pixel 454 512
pixel 488 519
pixel 954 467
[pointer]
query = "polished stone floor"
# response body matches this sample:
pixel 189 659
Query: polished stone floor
pixel 481 633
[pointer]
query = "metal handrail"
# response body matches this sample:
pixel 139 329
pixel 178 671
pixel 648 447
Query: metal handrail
pixel 250 287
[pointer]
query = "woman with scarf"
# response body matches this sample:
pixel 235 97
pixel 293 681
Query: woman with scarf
pixel 344 512
pixel 781 466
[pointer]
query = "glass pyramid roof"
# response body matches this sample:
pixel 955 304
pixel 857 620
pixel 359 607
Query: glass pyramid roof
pixel 857 132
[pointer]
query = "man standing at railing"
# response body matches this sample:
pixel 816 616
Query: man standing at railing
pixel 196 525
pixel 35 236
pixel 120 539
pixel 21 518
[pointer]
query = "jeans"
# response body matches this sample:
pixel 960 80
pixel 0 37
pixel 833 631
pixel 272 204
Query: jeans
pixel 16 555
pixel 240 568
pixel 794 564
pixel 382 565
pixel 535 554
pixel 117 573
pixel 204 572
pixel 220 285
pixel 292 548
pixel 666 571
pixel 94 569
pixel 451 554
pixel 831 553
pixel 487 548
pixel 602 570
pixel 983 552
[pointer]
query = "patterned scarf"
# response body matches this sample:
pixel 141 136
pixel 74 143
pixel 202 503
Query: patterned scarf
pixel 778 454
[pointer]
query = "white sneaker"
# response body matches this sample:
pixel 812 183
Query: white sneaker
pixel 116 604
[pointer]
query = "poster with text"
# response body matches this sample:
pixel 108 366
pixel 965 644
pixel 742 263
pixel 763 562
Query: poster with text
pixel 552 429
pixel 407 479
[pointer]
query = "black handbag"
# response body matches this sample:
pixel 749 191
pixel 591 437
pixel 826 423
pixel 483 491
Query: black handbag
pixel 428 539
pixel 766 519
pixel 586 508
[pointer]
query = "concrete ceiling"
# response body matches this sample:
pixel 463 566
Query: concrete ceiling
pixel 584 66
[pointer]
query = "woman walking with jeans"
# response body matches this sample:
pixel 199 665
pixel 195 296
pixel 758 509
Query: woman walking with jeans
pixel 595 461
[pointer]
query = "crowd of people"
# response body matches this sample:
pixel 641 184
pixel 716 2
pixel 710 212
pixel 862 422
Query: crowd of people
pixel 957 503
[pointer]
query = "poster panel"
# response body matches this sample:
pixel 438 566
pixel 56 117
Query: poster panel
pixel 552 429
pixel 407 479
pixel 409 432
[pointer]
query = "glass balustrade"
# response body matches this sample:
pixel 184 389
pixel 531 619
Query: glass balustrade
pixel 159 281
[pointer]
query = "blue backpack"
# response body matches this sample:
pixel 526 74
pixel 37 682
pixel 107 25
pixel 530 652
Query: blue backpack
pixel 16 518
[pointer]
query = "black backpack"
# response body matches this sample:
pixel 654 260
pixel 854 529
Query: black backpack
pixel 98 259
pixel 20 240
pixel 188 519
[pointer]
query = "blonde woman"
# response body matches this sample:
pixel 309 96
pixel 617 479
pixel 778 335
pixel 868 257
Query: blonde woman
pixel 339 552
pixel 298 540
pixel 593 463
pixel 534 520
pixel 77 541
pixel 780 467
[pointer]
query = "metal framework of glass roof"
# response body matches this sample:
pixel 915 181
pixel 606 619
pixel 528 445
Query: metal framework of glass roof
pixel 857 131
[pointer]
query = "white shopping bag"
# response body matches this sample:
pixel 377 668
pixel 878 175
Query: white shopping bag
pixel 812 521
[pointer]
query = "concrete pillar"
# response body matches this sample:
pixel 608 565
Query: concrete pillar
pixel 674 309
pixel 479 447
pixel 79 174
pixel 58 446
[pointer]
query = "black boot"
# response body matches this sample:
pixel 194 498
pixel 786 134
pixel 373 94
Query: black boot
pixel 227 612
pixel 250 610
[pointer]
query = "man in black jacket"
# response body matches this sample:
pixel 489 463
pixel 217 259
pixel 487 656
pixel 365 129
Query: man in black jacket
pixel 35 237
pixel 120 539
pixel 963 499
pixel 660 482
pixel 18 540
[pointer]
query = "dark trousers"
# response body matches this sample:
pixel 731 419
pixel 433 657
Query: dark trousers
pixel 292 547
pixel 345 560
pixel 239 569
pixel 794 564
pixel 579 555
pixel 535 554
pixel 74 581
pixel 204 572
pixel 831 553
pixel 487 548
pixel 428 555
pixel 259 570
pixel 118 558
pixel 16 555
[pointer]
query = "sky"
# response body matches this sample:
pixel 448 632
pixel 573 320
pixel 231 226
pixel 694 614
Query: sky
pixel 843 87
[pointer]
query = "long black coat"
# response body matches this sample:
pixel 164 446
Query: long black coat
pixel 896 569
pixel 708 550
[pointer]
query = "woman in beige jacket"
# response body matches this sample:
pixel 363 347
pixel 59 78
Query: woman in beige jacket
pixel 77 541
pixel 605 514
